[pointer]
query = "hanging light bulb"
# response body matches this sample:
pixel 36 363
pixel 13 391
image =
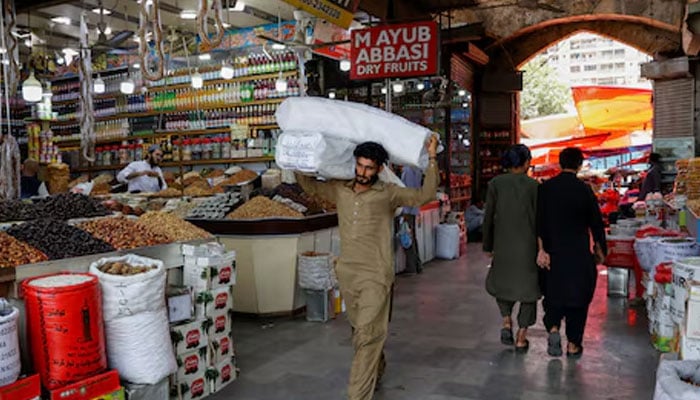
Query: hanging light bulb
pixel 462 93
pixel 226 71
pixel 127 86
pixel 31 89
pixel 345 65
pixel 197 80
pixel 99 85
pixel 397 87
pixel 420 86
pixel 331 95
pixel 383 90
pixel 280 83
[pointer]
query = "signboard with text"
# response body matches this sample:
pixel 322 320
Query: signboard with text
pixel 394 51
pixel 339 12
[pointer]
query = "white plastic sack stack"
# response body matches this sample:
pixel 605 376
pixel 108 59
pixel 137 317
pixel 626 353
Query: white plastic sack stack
pixel 315 153
pixel 9 347
pixel 672 249
pixel 684 270
pixel 670 378
pixel 403 140
pixel 645 249
pixel 136 321
pixel 316 272
pixel 447 241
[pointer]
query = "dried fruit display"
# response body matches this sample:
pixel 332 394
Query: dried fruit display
pixel 123 233
pixel 68 206
pixel 14 252
pixel 122 268
pixel 244 175
pixel 199 190
pixel 57 239
pixel 15 210
pixel 262 207
pixel 174 228
pixel 167 193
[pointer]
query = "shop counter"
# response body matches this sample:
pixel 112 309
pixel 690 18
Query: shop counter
pixel 266 258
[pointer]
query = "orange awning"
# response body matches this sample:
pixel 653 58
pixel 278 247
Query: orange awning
pixel 613 109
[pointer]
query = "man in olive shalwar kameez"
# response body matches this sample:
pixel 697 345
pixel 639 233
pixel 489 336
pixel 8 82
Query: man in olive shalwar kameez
pixel 365 268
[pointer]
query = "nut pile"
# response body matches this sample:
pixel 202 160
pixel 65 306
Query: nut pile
pixel 262 207
pixel 166 193
pixel 172 227
pixel 57 239
pixel 14 253
pixel 69 205
pixel 122 233
pixel 296 194
pixel 244 175
pixel 124 269
pixel 14 210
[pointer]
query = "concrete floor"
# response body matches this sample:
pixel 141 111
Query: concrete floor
pixel 444 344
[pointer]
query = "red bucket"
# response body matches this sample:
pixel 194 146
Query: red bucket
pixel 65 328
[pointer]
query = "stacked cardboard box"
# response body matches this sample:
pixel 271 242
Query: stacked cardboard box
pixel 204 346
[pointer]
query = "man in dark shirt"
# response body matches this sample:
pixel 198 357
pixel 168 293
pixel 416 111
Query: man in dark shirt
pixel 29 182
pixel 652 181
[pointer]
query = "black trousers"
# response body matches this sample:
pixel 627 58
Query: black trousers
pixel 575 320
pixel 527 315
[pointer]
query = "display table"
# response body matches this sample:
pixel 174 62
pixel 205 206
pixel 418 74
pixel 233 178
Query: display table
pixel 266 258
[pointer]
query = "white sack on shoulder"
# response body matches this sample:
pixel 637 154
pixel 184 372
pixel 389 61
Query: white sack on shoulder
pixel 315 153
pixel 404 140
pixel 136 321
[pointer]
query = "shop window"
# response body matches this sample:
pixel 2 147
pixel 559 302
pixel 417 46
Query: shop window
pixel 589 68
pixel 619 52
pixel 575 68
pixel 619 66
pixel 607 54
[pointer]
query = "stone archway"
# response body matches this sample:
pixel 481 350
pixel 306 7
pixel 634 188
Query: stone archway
pixel 647 35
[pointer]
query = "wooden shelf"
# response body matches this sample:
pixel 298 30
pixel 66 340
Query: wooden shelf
pixel 215 82
pixel 158 134
pixel 184 163
pixel 159 112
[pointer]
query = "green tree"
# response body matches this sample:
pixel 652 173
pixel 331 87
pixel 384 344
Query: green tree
pixel 543 94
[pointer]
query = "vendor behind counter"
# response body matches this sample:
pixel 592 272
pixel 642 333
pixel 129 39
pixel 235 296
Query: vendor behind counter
pixel 145 176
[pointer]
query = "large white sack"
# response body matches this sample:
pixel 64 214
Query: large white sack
pixel 447 241
pixel 9 347
pixel 670 378
pixel 404 140
pixel 136 321
pixel 315 153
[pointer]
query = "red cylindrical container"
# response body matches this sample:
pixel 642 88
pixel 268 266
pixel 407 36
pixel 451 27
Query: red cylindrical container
pixel 65 328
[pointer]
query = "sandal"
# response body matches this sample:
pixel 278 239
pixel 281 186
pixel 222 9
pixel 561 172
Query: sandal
pixel 575 354
pixel 507 336
pixel 523 349
pixel 554 344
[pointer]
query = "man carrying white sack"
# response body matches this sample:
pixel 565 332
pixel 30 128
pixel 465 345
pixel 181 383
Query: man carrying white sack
pixel 365 268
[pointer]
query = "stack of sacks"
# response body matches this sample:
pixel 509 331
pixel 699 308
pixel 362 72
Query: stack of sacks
pixel 319 136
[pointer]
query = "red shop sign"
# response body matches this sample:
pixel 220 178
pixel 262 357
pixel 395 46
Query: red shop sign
pixel 393 51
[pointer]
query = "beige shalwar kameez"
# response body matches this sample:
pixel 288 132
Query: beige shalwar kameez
pixel 365 267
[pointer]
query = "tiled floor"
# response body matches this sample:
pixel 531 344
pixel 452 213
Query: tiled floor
pixel 444 344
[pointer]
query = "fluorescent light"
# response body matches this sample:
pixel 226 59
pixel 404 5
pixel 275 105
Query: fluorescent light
pixel 278 46
pixel 238 6
pixel 345 65
pixel 99 85
pixel 226 71
pixel 3 50
pixel 61 20
pixel 331 95
pixel 226 24
pixel 137 65
pixel 420 86
pixel 397 87
pixel 127 86
pixel 31 89
pixel 205 57
pixel 462 93
pixel 104 11
pixel 197 80
pixel 188 14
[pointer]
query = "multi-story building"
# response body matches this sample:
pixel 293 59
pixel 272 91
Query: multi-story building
pixel 589 59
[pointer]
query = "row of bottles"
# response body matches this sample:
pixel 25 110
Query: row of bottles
pixel 259 114
pixel 254 64
pixel 214 147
